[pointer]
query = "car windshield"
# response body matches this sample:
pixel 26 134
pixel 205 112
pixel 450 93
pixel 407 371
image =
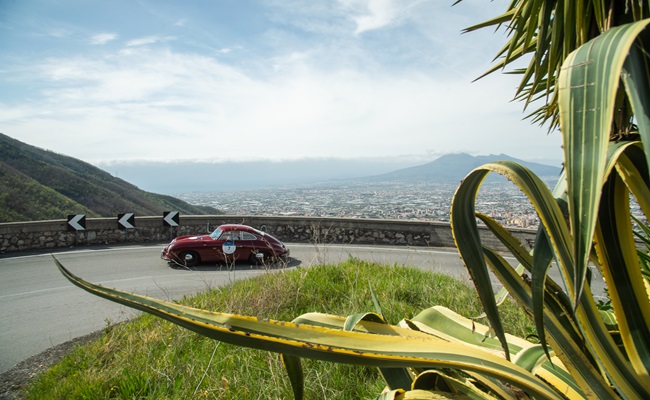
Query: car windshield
pixel 215 235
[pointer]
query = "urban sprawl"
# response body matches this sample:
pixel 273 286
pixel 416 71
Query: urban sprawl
pixel 407 201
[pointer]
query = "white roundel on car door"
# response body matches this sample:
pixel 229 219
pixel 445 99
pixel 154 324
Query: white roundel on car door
pixel 229 247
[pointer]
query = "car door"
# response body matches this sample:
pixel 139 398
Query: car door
pixel 246 245
pixel 223 248
pixel 243 245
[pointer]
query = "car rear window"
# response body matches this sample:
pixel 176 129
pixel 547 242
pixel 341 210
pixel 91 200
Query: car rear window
pixel 248 236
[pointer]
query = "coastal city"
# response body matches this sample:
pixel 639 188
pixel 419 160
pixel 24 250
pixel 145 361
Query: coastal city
pixel 381 200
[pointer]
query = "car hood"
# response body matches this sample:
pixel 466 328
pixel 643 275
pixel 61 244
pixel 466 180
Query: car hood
pixel 190 238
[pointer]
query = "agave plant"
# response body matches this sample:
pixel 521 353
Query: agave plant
pixel 585 221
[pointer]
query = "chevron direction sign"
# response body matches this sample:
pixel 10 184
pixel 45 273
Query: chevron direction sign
pixel 126 221
pixel 170 218
pixel 77 222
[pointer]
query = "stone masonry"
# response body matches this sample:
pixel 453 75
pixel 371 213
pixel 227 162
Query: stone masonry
pixel 39 235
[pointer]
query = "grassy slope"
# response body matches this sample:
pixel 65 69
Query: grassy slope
pixel 28 175
pixel 24 199
pixel 151 358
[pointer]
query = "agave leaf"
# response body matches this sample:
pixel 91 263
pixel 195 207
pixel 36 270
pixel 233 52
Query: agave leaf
pixel 588 91
pixel 644 235
pixel 366 326
pixel 620 266
pixel 609 319
pixel 531 357
pixel 537 265
pixel 395 377
pixel 514 246
pixel 584 366
pixel 293 366
pixel 455 383
pixel 467 239
pixel 466 236
pixel 583 378
pixel 418 394
pixel 636 77
pixel 441 321
pixel 588 83
pixel 444 323
pixel 607 355
pixel 396 394
pixel 433 380
pixel 320 343
pixel 543 257
pixel 352 321
pixel 630 165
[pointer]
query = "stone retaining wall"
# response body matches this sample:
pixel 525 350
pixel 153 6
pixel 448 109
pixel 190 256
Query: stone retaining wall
pixel 38 235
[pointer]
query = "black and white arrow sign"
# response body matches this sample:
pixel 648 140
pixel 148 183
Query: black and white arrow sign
pixel 126 221
pixel 170 218
pixel 77 222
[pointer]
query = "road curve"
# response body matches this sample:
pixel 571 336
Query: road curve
pixel 39 308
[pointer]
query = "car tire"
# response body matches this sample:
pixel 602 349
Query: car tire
pixel 253 260
pixel 189 258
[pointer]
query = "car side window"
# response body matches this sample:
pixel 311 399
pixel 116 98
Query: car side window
pixel 235 235
pixel 226 236
pixel 247 236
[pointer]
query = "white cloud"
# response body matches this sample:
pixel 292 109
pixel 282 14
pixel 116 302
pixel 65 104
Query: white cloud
pixel 102 38
pixel 377 14
pixel 162 105
pixel 305 87
pixel 59 32
pixel 143 41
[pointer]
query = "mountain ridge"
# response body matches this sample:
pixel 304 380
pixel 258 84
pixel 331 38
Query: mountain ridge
pixel 452 168
pixel 37 184
pixel 180 177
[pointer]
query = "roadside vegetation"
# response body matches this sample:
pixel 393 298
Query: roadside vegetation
pixel 152 358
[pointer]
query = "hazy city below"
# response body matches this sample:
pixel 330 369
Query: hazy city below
pixel 387 200
pixel 421 192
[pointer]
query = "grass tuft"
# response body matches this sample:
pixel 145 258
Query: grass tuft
pixel 152 358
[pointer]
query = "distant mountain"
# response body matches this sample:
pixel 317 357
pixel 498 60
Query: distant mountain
pixel 181 177
pixel 229 176
pixel 453 168
pixel 37 184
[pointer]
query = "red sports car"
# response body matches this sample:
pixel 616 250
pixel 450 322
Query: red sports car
pixel 228 243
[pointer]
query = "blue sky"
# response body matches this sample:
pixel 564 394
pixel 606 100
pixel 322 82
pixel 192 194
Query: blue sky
pixel 256 80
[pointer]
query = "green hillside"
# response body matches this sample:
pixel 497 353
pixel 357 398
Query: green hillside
pixel 37 184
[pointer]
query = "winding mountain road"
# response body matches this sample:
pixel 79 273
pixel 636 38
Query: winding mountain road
pixel 40 309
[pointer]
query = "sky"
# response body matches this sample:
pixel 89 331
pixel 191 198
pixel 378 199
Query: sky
pixel 243 80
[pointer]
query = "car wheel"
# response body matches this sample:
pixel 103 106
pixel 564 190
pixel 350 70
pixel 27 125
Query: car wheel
pixel 189 258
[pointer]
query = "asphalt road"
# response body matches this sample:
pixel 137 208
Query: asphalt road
pixel 39 308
